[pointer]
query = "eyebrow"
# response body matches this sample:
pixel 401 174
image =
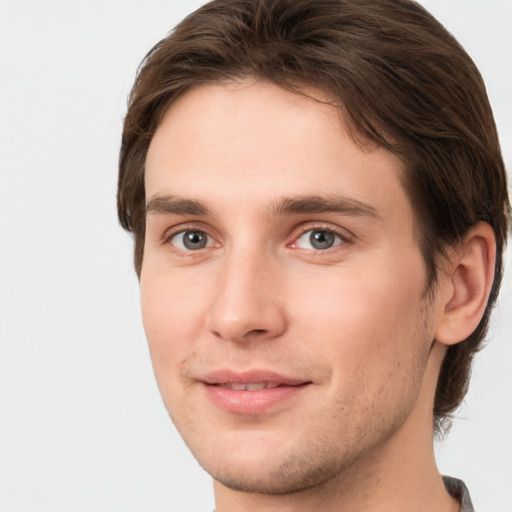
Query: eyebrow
pixel 285 206
pixel 175 206
pixel 324 204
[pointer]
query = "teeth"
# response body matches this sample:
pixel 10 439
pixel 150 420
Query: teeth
pixel 252 386
pixel 255 387
pixel 239 387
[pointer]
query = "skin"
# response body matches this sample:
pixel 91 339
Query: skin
pixel 352 320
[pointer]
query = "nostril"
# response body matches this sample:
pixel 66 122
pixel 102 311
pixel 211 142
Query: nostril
pixel 256 331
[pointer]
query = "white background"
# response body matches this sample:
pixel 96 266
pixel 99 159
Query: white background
pixel 82 428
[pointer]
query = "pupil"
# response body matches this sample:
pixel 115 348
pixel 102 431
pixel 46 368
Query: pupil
pixel 194 240
pixel 321 239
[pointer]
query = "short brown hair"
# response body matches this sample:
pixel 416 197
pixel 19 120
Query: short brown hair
pixel 400 80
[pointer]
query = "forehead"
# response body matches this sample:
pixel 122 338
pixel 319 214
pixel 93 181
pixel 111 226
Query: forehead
pixel 254 141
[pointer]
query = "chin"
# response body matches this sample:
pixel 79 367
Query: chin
pixel 288 476
pixel 265 466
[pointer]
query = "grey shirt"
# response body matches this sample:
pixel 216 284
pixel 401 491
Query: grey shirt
pixel 457 489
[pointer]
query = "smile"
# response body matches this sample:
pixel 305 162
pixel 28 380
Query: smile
pixel 252 393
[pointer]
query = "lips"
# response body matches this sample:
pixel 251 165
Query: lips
pixel 253 392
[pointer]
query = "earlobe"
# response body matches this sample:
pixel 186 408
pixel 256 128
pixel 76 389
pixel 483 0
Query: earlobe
pixel 470 274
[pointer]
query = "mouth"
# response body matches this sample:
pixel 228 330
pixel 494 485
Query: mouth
pixel 252 393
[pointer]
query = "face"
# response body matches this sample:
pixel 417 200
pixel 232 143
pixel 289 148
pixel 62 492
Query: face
pixel 282 287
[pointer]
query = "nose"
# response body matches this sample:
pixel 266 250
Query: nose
pixel 247 305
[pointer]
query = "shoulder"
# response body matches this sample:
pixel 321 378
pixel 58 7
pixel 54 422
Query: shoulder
pixel 457 488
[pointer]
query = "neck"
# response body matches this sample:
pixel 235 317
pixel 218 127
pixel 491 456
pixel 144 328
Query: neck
pixel 400 474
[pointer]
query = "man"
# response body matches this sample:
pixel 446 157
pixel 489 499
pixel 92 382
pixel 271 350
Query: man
pixel 320 208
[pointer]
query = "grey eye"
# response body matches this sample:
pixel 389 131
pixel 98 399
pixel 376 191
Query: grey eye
pixel 190 240
pixel 318 239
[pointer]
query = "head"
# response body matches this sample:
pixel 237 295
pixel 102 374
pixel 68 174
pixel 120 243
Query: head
pixel 395 87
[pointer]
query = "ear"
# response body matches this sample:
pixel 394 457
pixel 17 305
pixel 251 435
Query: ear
pixel 466 285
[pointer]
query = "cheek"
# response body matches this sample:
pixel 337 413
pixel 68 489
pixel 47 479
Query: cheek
pixel 173 313
pixel 361 319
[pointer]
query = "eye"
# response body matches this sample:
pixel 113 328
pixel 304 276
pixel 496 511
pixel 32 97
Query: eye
pixel 318 239
pixel 191 240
